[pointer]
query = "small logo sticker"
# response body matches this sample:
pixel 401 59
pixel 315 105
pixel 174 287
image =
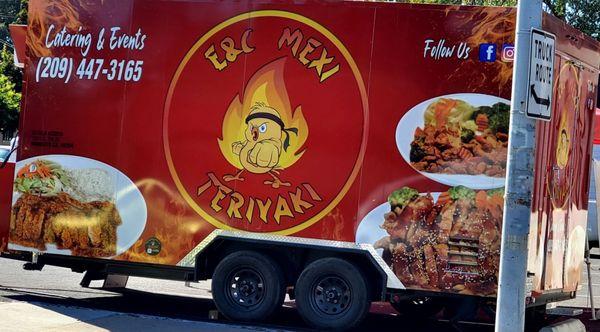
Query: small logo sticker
pixel 487 52
pixel 153 246
pixel 508 53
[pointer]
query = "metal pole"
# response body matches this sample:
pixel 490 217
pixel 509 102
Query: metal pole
pixel 510 308
pixel 588 263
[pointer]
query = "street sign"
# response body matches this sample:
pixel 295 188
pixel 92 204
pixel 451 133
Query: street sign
pixel 541 75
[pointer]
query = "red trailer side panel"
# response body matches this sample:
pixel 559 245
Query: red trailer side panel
pixel 6 180
pixel 160 121
pixel 563 154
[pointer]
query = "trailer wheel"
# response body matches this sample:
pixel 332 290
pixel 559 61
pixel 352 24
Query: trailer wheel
pixel 332 294
pixel 248 286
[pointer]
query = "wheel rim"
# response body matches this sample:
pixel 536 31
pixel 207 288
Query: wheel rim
pixel 331 295
pixel 246 288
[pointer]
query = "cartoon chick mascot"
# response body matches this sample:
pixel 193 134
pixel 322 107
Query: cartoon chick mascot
pixel 265 137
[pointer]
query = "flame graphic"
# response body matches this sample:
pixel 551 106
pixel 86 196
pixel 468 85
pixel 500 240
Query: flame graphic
pixel 496 24
pixel 176 236
pixel 265 86
pixel 490 25
pixel 61 13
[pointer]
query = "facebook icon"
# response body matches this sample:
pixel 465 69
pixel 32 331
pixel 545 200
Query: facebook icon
pixel 487 52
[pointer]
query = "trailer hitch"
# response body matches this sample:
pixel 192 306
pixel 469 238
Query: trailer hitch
pixel 34 265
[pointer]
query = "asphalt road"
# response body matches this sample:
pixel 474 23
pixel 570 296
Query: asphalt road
pixel 58 289
pixel 169 303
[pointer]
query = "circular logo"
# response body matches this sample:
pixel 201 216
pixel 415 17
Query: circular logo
pixel 153 246
pixel 265 123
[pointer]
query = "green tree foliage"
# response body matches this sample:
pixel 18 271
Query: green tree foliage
pixel 9 105
pixel 11 11
pixel 8 69
pixel 22 14
pixel 8 13
pixel 582 14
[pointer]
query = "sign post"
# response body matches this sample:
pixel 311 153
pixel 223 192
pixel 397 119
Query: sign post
pixel 541 74
pixel 510 308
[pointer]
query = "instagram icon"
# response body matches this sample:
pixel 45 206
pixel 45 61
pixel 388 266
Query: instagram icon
pixel 508 53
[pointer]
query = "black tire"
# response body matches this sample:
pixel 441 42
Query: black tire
pixel 248 286
pixel 331 294
pixel 423 307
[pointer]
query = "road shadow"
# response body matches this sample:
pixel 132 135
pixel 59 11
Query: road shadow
pixel 195 309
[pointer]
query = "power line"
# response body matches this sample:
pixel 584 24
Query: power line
pixel 7 44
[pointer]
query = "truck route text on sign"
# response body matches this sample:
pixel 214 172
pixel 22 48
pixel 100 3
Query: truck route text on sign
pixel 541 75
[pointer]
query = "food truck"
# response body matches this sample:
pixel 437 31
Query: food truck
pixel 340 152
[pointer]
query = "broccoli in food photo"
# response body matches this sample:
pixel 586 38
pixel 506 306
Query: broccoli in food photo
pixel 461 192
pixel 498 116
pixel 496 191
pixel 400 198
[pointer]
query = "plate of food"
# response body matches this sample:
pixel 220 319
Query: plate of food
pixel 73 205
pixel 458 139
pixel 370 230
pixel 439 241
